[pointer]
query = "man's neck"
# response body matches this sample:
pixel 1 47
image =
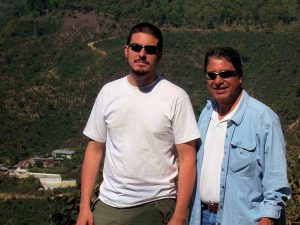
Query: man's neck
pixel 226 108
pixel 141 81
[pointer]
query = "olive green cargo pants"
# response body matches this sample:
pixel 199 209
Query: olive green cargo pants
pixel 153 213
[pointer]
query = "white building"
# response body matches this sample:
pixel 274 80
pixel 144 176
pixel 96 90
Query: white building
pixel 49 181
pixel 63 153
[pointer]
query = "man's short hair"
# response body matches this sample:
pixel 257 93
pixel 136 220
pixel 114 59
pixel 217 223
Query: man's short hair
pixel 147 28
pixel 228 53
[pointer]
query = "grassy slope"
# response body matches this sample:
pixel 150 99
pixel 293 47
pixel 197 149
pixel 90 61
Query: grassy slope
pixel 25 212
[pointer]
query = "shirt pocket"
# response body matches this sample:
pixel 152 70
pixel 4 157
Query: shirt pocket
pixel 242 158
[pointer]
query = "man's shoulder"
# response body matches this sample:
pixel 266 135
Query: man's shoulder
pixel 112 86
pixel 207 109
pixel 258 106
pixel 261 109
pixel 114 83
pixel 171 88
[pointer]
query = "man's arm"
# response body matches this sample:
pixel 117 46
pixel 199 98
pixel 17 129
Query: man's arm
pixel 90 167
pixel 186 180
pixel 274 182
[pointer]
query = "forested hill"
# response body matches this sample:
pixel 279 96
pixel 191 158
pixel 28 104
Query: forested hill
pixel 175 13
pixel 55 55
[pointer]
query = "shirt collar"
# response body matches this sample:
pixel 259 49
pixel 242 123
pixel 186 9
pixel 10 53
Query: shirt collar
pixel 239 110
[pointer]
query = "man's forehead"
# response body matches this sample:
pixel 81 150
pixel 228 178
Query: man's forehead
pixel 141 37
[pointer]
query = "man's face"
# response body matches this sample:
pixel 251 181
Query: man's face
pixel 142 63
pixel 224 90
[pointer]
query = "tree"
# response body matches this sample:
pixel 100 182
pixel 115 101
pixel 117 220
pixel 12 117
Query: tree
pixel 36 7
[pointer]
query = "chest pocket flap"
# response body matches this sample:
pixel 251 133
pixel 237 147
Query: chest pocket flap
pixel 245 145
pixel 242 157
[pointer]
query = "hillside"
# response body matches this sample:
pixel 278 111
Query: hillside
pixel 52 65
pixel 49 81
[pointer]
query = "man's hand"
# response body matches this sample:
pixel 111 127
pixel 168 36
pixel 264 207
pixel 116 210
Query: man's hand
pixel 85 217
pixel 186 179
pixel 266 221
pixel 175 220
pixel 93 156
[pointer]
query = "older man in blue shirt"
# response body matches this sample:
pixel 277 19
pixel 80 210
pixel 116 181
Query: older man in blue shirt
pixel 241 171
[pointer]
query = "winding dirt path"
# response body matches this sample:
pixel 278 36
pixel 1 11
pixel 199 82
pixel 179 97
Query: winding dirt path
pixel 92 46
pixel 293 125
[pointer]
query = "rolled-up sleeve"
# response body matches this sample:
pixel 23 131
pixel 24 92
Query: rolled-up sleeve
pixel 275 182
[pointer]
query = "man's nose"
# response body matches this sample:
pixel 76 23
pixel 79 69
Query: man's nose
pixel 142 53
pixel 218 80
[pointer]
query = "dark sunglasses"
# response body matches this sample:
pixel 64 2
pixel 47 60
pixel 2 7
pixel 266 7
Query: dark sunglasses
pixel 223 74
pixel 149 49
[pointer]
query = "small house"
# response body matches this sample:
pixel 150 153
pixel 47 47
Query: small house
pixel 63 153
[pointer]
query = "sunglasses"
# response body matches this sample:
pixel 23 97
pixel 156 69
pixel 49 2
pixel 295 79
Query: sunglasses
pixel 223 74
pixel 149 49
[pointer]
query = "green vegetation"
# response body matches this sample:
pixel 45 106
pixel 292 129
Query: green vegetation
pixel 25 212
pixel 25 204
pixel 206 14
pixel 50 77
pixel 21 186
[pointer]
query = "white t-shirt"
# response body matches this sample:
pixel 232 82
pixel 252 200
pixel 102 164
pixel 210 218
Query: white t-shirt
pixel 140 128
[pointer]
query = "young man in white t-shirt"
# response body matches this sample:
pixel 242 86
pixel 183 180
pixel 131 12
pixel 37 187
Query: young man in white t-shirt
pixel 141 123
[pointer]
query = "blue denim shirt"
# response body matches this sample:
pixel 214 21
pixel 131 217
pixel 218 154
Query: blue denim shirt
pixel 254 180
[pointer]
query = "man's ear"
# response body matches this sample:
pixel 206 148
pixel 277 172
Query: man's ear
pixel 126 51
pixel 241 80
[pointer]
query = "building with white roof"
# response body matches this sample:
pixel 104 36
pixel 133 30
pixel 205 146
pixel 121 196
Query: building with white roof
pixel 63 153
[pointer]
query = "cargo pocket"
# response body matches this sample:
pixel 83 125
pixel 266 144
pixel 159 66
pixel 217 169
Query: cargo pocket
pixel 166 207
pixel 242 158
